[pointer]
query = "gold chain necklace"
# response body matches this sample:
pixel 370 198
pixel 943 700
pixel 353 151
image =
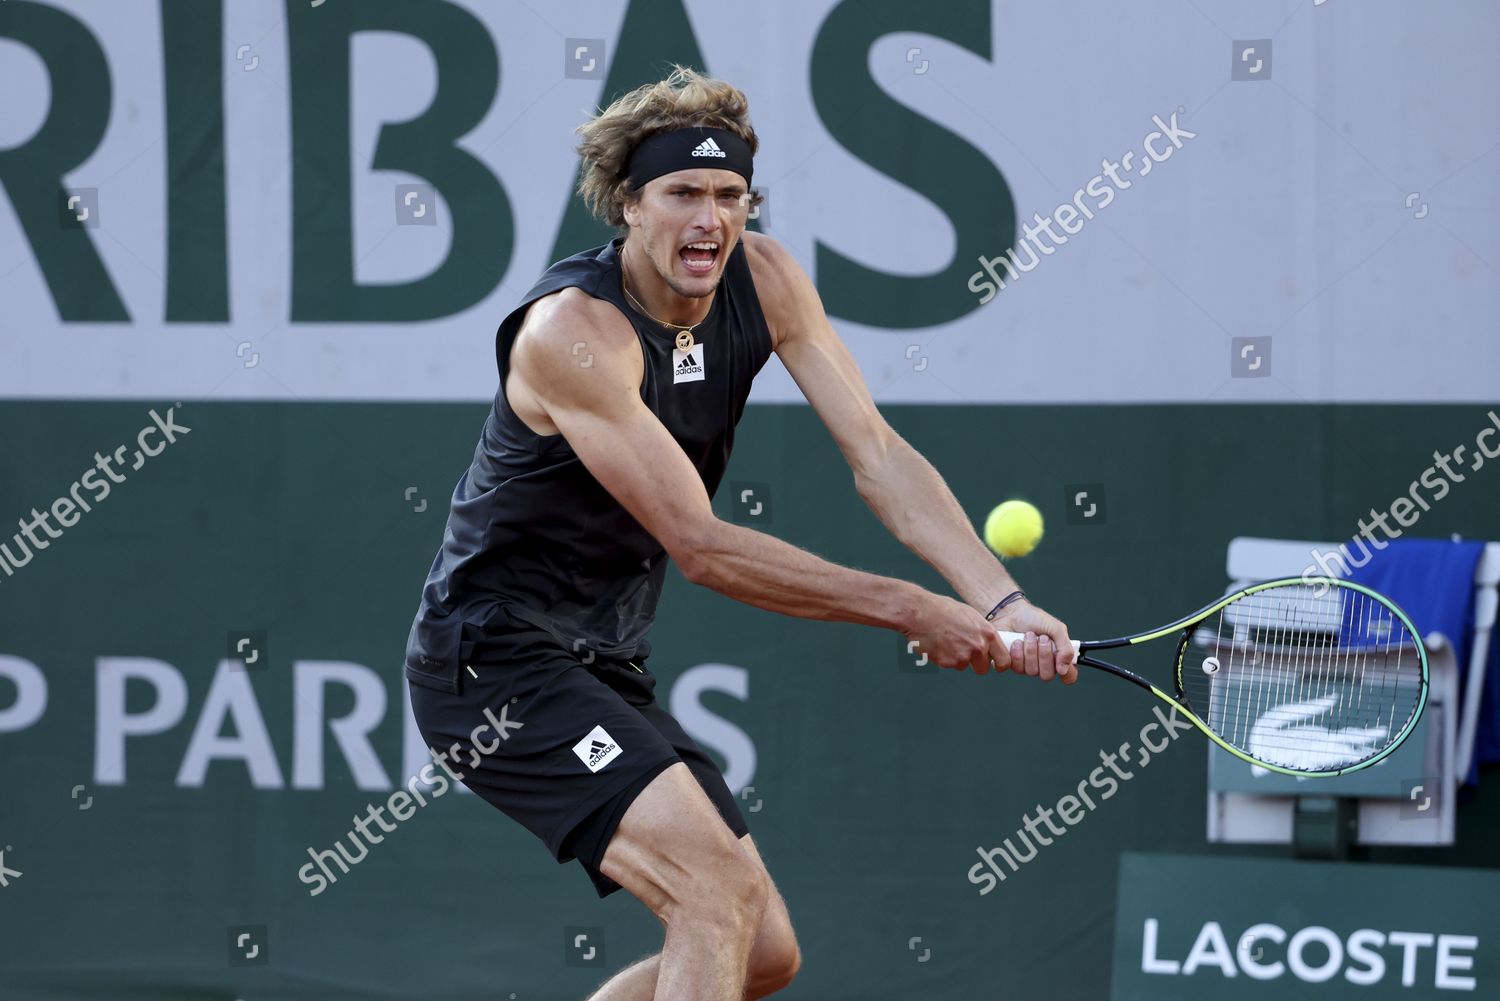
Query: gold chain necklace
pixel 684 337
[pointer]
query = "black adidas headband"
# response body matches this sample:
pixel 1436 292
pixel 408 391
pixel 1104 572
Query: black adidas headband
pixel 688 149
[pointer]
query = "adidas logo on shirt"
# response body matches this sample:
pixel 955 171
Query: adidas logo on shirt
pixel 686 365
pixel 708 148
pixel 597 749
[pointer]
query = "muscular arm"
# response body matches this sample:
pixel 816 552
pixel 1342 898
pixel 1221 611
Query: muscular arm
pixel 911 499
pixel 897 483
pixel 627 449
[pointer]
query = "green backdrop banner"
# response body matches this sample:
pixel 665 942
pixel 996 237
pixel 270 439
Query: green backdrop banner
pixel 200 697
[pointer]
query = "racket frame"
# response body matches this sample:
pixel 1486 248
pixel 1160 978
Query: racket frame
pixel 1209 609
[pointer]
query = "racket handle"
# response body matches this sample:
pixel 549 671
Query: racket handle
pixel 1008 638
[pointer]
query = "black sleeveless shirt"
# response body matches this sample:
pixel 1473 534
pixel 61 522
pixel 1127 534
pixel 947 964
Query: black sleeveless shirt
pixel 532 531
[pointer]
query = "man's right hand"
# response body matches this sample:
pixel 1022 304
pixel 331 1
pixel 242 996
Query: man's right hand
pixel 953 635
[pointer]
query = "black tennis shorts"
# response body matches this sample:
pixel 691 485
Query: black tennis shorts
pixel 580 741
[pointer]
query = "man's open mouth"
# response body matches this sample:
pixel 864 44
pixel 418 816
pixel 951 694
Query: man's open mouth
pixel 700 255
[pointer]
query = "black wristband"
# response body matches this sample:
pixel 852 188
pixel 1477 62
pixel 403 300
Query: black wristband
pixel 1008 599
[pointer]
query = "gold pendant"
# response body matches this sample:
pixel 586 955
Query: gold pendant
pixel 684 340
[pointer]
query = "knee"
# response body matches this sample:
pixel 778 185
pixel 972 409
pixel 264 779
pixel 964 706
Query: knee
pixel 775 966
pixel 776 958
pixel 740 897
pixel 727 894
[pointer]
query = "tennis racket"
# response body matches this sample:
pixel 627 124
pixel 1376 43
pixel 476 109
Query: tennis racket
pixel 1310 676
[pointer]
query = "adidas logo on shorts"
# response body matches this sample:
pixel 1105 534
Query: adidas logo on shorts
pixel 597 749
pixel 708 148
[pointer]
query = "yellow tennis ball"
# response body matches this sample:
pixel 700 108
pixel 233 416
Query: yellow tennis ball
pixel 1013 528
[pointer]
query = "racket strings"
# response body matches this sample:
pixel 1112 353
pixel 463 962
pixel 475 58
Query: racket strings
pixel 1305 680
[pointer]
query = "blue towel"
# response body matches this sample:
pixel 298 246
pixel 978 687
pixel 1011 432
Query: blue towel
pixel 1433 581
pixel 1487 734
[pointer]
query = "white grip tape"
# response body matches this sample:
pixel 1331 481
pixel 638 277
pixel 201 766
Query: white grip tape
pixel 1008 638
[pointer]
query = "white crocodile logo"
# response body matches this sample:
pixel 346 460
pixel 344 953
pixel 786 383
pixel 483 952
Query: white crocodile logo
pixel 1324 749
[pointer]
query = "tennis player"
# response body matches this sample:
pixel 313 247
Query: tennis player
pixel 622 375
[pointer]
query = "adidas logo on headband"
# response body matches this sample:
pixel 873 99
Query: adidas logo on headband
pixel 688 149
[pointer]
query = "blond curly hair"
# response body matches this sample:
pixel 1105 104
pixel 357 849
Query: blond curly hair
pixel 685 99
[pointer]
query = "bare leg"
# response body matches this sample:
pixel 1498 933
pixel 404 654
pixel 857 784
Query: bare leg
pixel 636 982
pixel 674 853
pixel 774 959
